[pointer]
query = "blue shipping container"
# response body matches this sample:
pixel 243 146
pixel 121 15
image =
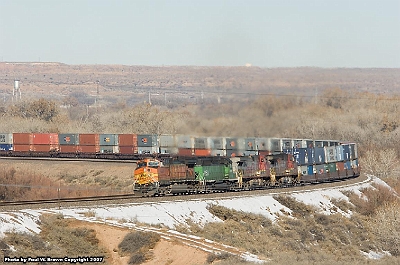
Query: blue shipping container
pixel 310 170
pixel 319 155
pixel 6 147
pixel 339 153
pixel 346 152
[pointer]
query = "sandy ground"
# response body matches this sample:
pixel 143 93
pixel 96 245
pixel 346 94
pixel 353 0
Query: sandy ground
pixel 165 252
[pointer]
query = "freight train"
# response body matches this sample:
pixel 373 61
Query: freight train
pixel 199 174
pixel 189 164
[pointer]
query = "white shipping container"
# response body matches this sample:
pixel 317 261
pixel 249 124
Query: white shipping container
pixel 169 150
pixel 6 138
pixel 184 141
pixel 330 154
pixel 167 141
pixel 147 150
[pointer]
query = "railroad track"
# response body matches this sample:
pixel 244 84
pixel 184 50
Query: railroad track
pixel 68 200
pixel 129 198
pixel 73 159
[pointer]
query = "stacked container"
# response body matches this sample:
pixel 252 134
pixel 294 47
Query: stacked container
pixel 6 141
pixel 45 142
pixel 168 144
pixel 147 143
pixel 22 142
pixel 89 143
pixel 185 144
pixel 108 143
pixel 319 155
pixel 202 146
pixel 217 146
pixel 262 146
pixel 235 147
pixel 274 145
pixel 127 144
pixel 330 154
pixel 69 142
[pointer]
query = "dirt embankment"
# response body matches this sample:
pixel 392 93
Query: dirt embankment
pixel 165 252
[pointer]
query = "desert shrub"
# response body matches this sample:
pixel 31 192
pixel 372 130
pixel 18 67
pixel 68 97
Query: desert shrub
pixel 134 241
pixel 138 244
pixel 137 258
pixel 372 200
pixel 217 256
pixel 342 204
pixel 299 209
pixel 230 214
pixel 386 224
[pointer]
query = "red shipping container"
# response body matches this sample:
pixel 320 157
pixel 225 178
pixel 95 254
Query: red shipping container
pixel 127 139
pixel 68 148
pixel 89 148
pixel 89 139
pixel 22 147
pixel 22 138
pixel 185 151
pixel 202 152
pixel 44 148
pixel 128 150
pixel 45 138
pixel 340 166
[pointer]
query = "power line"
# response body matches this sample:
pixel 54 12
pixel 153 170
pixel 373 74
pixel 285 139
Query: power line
pixel 393 98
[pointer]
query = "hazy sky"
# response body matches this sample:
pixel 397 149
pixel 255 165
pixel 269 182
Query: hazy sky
pixel 267 33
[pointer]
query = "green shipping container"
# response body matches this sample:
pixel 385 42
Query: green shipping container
pixel 331 167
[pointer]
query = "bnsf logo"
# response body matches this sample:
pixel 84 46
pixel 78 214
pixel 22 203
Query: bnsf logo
pixel 67 139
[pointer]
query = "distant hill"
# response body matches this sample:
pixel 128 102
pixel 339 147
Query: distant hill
pixel 110 82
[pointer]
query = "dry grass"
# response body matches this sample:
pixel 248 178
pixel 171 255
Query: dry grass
pixel 372 199
pixel 25 185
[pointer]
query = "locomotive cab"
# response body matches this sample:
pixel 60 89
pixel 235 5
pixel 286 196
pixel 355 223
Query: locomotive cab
pixel 146 176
